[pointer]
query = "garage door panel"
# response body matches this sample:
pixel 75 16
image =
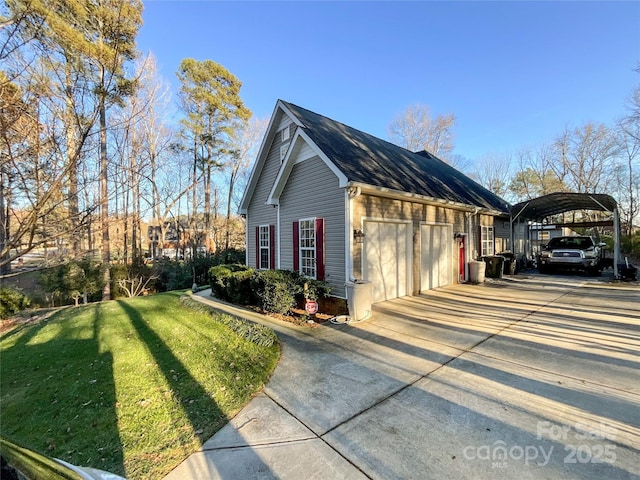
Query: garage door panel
pixel 436 261
pixel 386 259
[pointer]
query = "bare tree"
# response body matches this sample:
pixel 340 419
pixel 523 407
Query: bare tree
pixel 42 142
pixel 534 175
pixel 629 138
pixel 244 147
pixel 415 130
pixel 585 158
pixel 493 172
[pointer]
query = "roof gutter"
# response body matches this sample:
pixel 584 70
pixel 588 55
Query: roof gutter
pixel 407 196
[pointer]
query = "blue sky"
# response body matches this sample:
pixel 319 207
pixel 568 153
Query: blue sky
pixel 513 73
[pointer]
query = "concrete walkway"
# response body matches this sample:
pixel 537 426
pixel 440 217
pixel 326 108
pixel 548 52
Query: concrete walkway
pixel 524 377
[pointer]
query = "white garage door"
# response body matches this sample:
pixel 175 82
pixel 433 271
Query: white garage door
pixel 436 258
pixel 386 259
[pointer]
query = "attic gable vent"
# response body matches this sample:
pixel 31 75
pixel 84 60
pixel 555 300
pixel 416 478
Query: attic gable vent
pixel 283 151
pixel 285 134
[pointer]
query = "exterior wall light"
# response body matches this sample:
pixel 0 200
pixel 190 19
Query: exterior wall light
pixel 358 235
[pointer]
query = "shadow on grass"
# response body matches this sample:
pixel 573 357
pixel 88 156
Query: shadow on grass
pixel 58 395
pixel 185 388
pixel 200 409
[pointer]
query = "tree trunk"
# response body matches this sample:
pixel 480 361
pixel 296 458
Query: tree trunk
pixel 5 221
pixel 232 181
pixel 207 204
pixel 104 199
pixel 72 161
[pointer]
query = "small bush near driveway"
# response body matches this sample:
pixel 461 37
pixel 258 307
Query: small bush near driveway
pixel 273 291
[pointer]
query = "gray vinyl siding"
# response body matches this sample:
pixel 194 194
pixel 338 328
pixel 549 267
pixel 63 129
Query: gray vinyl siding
pixel 502 229
pixel 258 212
pixel 312 190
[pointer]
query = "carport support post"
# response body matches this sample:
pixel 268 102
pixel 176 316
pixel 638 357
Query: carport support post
pixel 616 241
pixel 512 246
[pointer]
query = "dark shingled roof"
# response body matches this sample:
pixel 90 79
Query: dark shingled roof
pixel 366 159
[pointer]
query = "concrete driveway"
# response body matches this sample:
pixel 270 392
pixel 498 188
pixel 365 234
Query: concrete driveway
pixel 523 377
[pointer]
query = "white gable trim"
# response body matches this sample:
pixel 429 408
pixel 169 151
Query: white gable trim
pixel 302 148
pixel 265 146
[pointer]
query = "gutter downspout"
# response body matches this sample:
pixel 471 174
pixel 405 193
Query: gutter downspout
pixel 278 235
pixel 350 193
pixel 246 239
pixel 616 242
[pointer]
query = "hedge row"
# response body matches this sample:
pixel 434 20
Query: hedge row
pixel 254 332
pixel 275 291
pixel 11 302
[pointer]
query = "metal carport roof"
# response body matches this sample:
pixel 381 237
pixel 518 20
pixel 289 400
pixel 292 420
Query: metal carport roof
pixel 555 203
pixel 559 202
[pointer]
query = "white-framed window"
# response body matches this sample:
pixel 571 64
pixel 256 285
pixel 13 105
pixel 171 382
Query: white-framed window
pixel 285 134
pixel 307 248
pixel 265 246
pixel 543 235
pixel 487 240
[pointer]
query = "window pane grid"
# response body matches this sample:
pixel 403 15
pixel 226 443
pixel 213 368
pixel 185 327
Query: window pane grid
pixel 264 246
pixel 487 240
pixel 308 248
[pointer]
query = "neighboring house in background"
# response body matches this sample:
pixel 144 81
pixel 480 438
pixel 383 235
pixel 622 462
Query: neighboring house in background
pixel 340 205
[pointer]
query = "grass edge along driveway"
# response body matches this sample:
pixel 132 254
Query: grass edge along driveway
pixel 129 386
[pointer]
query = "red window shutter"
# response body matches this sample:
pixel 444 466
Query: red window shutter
pixel 296 247
pixel 257 247
pixel 320 248
pixel 272 246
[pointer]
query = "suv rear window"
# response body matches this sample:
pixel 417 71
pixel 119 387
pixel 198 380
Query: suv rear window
pixel 581 243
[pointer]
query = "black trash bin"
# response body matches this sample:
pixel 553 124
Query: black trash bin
pixel 509 263
pixel 495 266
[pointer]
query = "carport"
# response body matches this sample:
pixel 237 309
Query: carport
pixel 541 208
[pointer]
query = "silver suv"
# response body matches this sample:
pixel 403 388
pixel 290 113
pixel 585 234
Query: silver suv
pixel 578 253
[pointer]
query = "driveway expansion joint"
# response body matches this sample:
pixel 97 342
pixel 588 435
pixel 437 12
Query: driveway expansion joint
pixel 316 435
pixel 258 444
pixel 444 364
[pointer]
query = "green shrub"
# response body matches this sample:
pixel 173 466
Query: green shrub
pixel 72 281
pixel 227 257
pixel 277 298
pixel 630 245
pixel 276 290
pixel 11 302
pixel 218 276
pixel 315 289
pixel 232 283
pixel 198 268
pixel 172 275
pixel 118 271
pixel 239 287
pixel 254 332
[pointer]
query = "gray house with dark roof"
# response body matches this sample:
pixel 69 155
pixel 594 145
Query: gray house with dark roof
pixel 340 205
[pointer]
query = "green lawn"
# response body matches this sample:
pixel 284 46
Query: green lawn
pixel 129 386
